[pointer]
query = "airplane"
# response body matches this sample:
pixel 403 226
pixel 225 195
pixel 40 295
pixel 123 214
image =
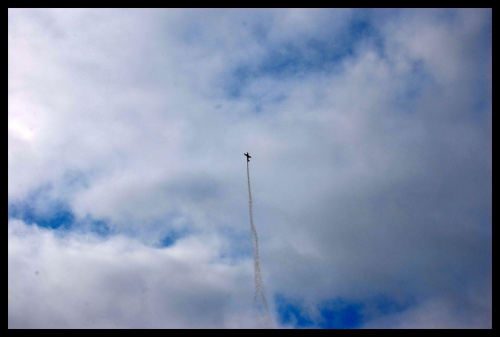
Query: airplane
pixel 248 156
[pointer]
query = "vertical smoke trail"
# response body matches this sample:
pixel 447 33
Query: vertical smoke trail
pixel 260 296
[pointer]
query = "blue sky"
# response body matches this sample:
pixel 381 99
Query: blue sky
pixel 370 135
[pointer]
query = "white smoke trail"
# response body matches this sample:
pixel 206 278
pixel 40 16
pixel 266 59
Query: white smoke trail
pixel 260 296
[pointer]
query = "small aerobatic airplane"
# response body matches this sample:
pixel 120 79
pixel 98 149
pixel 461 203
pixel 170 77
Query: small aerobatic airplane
pixel 248 156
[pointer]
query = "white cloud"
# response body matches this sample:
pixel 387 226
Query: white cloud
pixel 370 173
pixel 86 282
